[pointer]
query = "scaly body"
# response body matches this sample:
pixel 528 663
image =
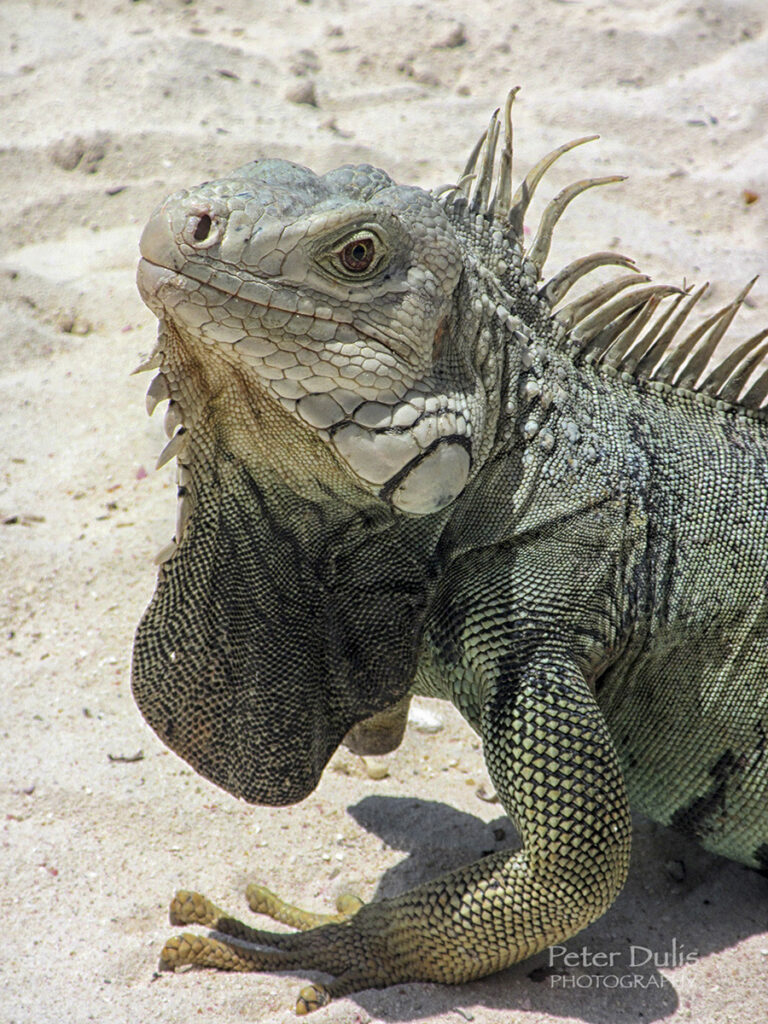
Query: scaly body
pixel 407 467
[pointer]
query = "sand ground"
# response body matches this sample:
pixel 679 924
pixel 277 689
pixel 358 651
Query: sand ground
pixel 109 106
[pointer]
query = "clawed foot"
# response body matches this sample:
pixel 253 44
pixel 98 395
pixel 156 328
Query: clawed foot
pixel 267 951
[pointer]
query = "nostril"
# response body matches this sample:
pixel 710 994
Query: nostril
pixel 203 228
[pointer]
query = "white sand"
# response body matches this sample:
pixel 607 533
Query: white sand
pixel 167 94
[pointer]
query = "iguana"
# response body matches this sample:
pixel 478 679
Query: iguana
pixel 405 466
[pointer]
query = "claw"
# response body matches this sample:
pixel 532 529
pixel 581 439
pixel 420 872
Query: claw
pixel 177 951
pixel 192 908
pixel 312 997
pixel 348 904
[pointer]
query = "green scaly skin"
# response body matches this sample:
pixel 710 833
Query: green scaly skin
pixel 481 506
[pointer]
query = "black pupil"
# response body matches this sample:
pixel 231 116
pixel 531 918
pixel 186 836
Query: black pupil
pixel 203 228
pixel 357 255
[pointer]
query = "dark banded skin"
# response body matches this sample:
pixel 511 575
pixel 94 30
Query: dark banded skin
pixel 407 466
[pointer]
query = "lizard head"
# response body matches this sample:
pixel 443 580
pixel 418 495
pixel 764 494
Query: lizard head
pixel 335 294
pixel 324 411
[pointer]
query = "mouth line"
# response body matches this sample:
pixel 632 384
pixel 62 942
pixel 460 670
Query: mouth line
pixel 260 305
pixel 234 295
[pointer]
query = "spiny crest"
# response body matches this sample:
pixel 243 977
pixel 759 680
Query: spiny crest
pixel 623 333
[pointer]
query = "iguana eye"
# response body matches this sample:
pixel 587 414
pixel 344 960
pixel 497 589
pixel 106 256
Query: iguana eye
pixel 358 254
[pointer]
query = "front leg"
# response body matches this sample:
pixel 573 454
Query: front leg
pixel 552 761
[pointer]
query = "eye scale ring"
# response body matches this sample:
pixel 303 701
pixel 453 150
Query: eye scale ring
pixel 356 255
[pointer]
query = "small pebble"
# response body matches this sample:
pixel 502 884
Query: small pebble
pixel 303 92
pixel 675 870
pixel 424 720
pixel 375 767
pixel 457 36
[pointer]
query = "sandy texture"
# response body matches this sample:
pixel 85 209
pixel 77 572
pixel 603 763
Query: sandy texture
pixel 107 107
